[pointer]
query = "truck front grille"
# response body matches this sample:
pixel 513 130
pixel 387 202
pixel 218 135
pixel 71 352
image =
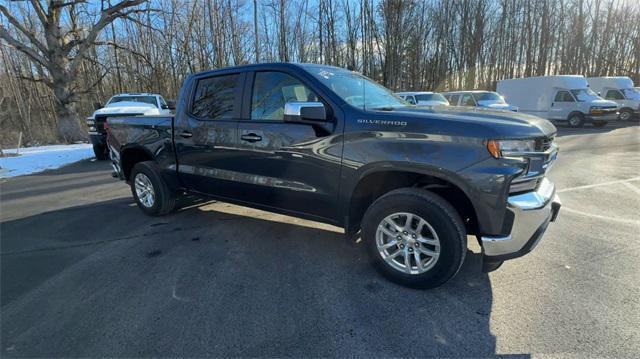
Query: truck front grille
pixel 544 143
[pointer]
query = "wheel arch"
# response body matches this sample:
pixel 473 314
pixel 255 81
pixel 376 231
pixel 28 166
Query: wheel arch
pixel 376 182
pixel 130 156
pixel 579 113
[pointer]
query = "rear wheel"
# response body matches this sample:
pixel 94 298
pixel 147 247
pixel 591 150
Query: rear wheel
pixel 576 120
pixel 101 152
pixel 149 190
pixel 414 238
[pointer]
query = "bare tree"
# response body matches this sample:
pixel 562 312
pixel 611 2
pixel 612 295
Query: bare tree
pixel 59 50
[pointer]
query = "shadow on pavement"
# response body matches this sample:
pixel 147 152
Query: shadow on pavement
pixel 105 280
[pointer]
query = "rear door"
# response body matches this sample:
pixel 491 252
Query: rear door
pixel 290 166
pixel 206 134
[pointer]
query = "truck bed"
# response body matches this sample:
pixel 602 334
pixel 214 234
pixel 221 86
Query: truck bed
pixel 150 135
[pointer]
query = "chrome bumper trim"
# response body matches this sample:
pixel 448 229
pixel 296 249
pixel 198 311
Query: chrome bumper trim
pixel 532 213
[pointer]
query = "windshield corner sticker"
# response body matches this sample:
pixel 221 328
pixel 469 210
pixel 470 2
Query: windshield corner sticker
pixel 382 122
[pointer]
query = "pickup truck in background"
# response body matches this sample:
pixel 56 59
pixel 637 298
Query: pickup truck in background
pixel 125 104
pixel 327 144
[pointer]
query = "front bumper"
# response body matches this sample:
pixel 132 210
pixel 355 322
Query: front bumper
pixel 533 211
pixel 611 116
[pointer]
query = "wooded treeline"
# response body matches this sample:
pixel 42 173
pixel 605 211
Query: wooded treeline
pixel 404 44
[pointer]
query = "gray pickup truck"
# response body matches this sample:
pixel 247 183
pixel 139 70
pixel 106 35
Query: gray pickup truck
pixel 330 145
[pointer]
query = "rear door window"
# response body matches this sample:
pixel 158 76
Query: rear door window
pixel 453 99
pixel 467 100
pixel 215 97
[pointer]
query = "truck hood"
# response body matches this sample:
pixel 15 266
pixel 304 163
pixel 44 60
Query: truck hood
pixel 432 103
pixel 473 121
pixel 603 103
pixel 497 105
pixel 127 108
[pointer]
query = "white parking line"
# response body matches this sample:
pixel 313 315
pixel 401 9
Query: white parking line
pixel 626 182
pixel 605 218
pixel 632 187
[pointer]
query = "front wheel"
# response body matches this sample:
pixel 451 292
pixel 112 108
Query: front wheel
pixel 576 120
pixel 414 237
pixel 150 191
pixel 626 115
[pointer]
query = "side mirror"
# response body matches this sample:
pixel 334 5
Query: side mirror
pixel 97 106
pixel 171 104
pixel 305 112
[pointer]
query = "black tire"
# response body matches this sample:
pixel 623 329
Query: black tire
pixel 101 152
pixel 442 217
pixel 626 114
pixel 600 123
pixel 164 199
pixel 576 120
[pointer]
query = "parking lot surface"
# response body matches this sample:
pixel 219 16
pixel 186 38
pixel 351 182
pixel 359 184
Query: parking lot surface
pixel 85 273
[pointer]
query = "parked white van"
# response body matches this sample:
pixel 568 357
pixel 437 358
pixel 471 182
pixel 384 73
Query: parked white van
pixel 559 98
pixel 620 90
pixel 423 98
pixel 476 98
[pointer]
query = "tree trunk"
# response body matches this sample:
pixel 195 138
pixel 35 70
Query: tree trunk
pixel 69 129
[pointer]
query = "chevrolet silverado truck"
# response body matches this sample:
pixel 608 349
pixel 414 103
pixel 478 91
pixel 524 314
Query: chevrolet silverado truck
pixel 329 145
pixel 125 104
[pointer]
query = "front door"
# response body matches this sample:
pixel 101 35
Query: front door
pixel 290 166
pixel 206 135
pixel 564 103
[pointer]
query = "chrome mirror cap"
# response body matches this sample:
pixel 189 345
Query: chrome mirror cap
pixel 304 112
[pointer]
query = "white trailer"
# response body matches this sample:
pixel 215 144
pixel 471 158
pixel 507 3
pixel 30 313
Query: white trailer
pixel 559 98
pixel 620 90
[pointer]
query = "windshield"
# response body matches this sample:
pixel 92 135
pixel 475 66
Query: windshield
pixel 143 99
pixel 431 97
pixel 585 95
pixel 488 96
pixel 357 90
pixel 632 93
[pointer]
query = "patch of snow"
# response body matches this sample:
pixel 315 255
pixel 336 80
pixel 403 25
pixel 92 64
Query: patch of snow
pixel 40 158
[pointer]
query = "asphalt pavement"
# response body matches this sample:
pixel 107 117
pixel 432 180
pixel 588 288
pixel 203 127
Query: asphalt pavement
pixel 84 273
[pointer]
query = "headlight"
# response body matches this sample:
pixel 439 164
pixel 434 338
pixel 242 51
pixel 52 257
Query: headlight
pixel 90 121
pixel 506 148
pixel 92 128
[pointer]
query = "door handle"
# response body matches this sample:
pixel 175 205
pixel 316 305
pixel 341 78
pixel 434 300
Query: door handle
pixel 186 134
pixel 251 137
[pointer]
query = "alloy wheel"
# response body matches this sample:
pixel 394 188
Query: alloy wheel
pixel 144 190
pixel 408 243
